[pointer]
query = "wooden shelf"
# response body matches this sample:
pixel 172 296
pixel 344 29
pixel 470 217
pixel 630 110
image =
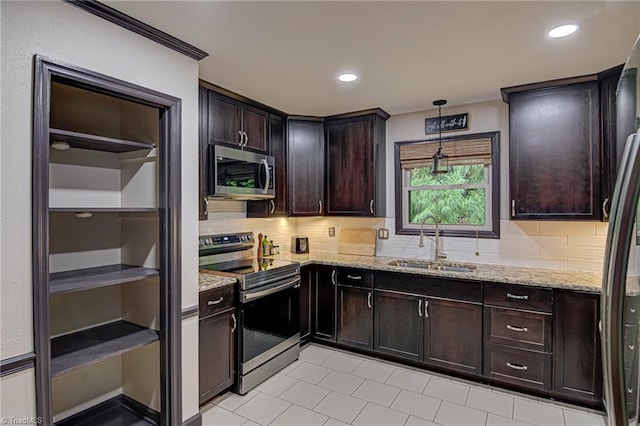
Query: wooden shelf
pixel 105 209
pixel 96 143
pixel 86 347
pixel 120 410
pixel 101 276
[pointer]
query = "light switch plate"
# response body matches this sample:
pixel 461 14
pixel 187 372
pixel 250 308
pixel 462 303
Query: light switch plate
pixel 383 233
pixel 332 231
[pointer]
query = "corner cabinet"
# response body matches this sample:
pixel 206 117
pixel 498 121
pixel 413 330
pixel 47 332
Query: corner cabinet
pixel 106 253
pixel 355 164
pixel 305 171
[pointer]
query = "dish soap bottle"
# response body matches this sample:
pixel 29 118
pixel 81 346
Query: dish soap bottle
pixel 271 248
pixel 265 246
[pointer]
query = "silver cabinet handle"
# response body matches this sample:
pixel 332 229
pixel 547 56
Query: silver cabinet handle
pixel 420 308
pixel 319 206
pixel 630 390
pixel 517 297
pixel 426 306
pixel 354 277
pixel 371 207
pixel 214 302
pixel 369 300
pixel 333 277
pixel 513 208
pixel 205 209
pixel 517 367
pixel 241 138
pixel 632 310
pixel 632 347
pixel 605 213
pixel 246 138
pixel 273 206
pixel 519 329
pixel 235 322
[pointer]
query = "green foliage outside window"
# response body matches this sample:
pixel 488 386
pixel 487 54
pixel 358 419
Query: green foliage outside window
pixel 453 206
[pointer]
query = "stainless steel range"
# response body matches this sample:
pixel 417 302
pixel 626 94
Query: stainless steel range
pixel 269 305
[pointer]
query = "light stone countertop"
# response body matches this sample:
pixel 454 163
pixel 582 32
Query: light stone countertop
pixel 552 278
pixel 207 281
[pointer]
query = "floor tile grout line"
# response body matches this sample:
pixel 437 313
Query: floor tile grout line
pixel 438 410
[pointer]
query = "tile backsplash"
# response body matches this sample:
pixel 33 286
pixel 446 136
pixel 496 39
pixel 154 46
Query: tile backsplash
pixel 558 245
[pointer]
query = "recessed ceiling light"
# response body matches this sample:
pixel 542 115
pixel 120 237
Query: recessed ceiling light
pixel 347 77
pixel 563 30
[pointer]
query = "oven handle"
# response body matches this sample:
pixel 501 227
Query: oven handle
pixel 260 294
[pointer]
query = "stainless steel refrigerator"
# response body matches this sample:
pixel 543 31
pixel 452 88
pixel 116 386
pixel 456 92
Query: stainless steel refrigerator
pixel 620 307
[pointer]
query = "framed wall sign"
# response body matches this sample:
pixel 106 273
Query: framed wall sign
pixel 449 123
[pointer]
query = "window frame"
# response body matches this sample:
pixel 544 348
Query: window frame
pixel 492 225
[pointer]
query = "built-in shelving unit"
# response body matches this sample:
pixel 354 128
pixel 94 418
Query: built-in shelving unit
pixel 106 262
pixel 88 278
pixel 95 142
pixel 76 350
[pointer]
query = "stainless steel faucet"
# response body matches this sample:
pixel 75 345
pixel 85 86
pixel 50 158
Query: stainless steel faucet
pixel 438 255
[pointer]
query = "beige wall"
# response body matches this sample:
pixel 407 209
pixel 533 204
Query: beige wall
pixel 63 32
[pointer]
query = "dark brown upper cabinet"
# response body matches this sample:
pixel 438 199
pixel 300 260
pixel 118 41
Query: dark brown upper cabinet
pixel 278 150
pixel 563 148
pixel 305 166
pixel 355 163
pixel 554 150
pixel 236 124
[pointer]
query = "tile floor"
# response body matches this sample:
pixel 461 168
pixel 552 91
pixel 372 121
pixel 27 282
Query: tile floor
pixel 332 387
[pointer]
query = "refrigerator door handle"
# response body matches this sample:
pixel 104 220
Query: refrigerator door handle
pixel 614 276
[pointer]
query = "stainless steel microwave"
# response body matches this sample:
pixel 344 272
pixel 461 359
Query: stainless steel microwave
pixel 239 175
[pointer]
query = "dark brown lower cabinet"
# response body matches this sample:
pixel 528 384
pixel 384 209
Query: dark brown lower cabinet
pixel 355 316
pixel 398 324
pixel 305 302
pixel 325 303
pixel 217 353
pixel 453 335
pixel 525 368
pixel 577 366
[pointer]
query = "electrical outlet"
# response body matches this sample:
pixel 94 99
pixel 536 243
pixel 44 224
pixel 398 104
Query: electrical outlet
pixel 332 231
pixel 383 233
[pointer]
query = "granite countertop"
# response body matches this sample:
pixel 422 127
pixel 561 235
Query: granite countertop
pixel 552 278
pixel 207 281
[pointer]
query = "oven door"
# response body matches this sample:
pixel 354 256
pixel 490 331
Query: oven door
pixel 269 322
pixel 239 174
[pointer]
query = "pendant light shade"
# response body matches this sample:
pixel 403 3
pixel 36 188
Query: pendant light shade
pixel 440 159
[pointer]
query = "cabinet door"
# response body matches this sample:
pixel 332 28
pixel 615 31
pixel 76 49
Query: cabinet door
pixel 351 179
pixel 255 126
pixel 355 316
pixel 306 167
pixel 555 153
pixel 453 335
pixel 278 150
pixel 216 354
pixel 203 142
pixel 305 302
pixel 325 303
pixel 398 324
pixel 577 366
pixel 224 121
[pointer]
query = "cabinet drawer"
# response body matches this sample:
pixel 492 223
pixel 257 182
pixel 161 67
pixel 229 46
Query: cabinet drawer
pixel 216 300
pixel 354 277
pixel 522 329
pixel 519 296
pixel 518 366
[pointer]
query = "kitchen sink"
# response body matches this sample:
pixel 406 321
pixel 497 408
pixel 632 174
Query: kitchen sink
pixel 434 266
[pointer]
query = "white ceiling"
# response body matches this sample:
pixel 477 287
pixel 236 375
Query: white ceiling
pixel 407 54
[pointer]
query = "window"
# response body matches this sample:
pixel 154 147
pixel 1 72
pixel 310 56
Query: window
pixel 465 200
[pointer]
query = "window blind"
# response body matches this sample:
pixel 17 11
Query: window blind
pixel 472 151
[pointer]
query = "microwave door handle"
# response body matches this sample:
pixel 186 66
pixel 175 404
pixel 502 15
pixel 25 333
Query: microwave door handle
pixel 268 179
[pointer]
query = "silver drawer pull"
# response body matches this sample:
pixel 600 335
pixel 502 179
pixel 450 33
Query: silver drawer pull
pixel 518 329
pixel 517 296
pixel 632 347
pixel 630 390
pixel 517 366
pixel 214 302
pixel 632 310
pixel 354 277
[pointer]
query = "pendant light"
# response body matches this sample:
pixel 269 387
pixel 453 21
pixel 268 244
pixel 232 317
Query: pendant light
pixel 440 159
